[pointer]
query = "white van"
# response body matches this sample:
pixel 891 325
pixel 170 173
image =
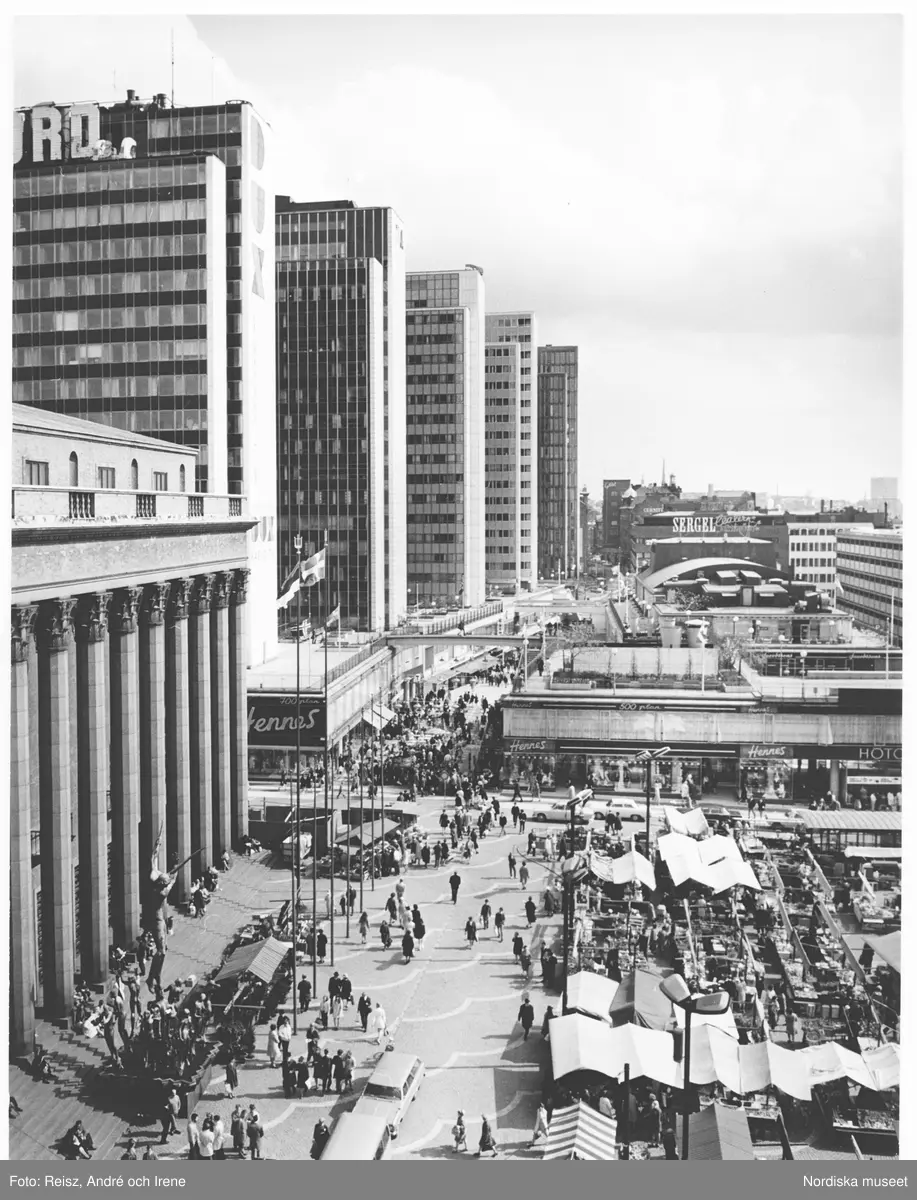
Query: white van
pixel 392 1086
pixel 358 1138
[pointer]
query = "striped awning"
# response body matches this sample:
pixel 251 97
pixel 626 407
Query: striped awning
pixel 579 1132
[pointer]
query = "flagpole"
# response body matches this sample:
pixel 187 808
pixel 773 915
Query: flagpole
pixel 362 850
pixel 295 867
pixel 327 732
pixel 372 798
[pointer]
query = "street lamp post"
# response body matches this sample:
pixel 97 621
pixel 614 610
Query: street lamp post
pixel 674 988
pixel 649 757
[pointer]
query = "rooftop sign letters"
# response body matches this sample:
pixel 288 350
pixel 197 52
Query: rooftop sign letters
pixel 49 133
pixel 719 523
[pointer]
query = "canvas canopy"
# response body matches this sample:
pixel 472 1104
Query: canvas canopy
pixel 692 823
pixel 260 959
pixel 887 946
pixel 362 835
pixel 638 999
pixel 629 867
pixel 579 1132
pixel 591 994
pixel 719 1134
pixel 716 1056
pixel 579 1043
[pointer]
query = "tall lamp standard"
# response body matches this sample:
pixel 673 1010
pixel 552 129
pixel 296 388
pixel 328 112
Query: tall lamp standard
pixel 709 1004
pixel 569 881
pixel 649 757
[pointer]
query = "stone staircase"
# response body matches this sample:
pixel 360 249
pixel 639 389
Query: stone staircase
pixel 196 946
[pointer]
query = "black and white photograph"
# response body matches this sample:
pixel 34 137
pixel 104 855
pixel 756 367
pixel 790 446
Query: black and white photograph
pixel 457 615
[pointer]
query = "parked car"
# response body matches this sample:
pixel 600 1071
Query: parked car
pixel 626 809
pixel 557 813
pixel 391 1088
pixel 715 813
pixel 783 818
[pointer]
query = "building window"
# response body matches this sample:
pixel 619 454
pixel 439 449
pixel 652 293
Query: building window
pixel 160 481
pixel 36 473
pixel 74 470
pixel 135 475
pixel 106 477
pixel 181 478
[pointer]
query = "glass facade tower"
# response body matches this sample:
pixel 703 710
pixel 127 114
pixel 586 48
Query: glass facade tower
pixel 511 450
pixel 330 469
pixel 144 290
pixel 558 500
pixel 339 230
pixel 445 437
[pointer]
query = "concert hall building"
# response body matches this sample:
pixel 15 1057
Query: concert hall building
pixel 128 705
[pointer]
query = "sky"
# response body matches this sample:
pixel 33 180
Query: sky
pixel 709 207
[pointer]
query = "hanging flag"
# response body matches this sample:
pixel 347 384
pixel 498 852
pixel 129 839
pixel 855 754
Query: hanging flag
pixel 313 569
pixel 290 587
pixel 305 574
pixel 334 619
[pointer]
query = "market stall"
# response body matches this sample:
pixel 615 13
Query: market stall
pixel 579 1133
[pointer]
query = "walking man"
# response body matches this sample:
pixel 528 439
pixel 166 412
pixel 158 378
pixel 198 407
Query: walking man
pixel 526 1016
pixel 485 914
pixel 459 1134
pixel 523 876
pixel 541 1123
pixel 530 912
pixel 455 881
pixel 499 922
pixel 512 865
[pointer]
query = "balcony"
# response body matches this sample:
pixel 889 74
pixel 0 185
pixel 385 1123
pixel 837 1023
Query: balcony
pixel 33 506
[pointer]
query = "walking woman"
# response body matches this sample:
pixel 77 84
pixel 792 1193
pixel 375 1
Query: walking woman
pixel 487 1140
pixel 364 928
pixel 471 931
pixel 364 1008
pixel 324 1010
pixel 420 930
pixel 336 1009
pixel 386 935
pixel 407 946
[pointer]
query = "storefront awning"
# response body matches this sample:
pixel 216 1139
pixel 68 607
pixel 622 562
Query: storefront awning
pixel 579 1132
pixel 260 959
pixel 888 947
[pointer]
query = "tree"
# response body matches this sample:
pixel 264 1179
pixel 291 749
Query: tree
pixel 571 639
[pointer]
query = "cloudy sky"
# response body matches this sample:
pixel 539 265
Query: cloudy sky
pixel 710 208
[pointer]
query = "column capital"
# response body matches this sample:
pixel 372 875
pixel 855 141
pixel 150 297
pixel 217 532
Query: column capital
pixel 179 598
pixel 154 603
pixel 222 587
pixel 55 625
pixel 91 616
pixel 201 593
pixel 240 577
pixel 23 630
pixel 124 606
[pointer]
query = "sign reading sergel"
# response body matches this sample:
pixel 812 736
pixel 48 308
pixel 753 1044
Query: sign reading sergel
pixel 718 524
pixel 273 723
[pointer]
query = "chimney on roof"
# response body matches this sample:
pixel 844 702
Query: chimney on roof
pixel 131 96
pixel 822 509
pixel 709 489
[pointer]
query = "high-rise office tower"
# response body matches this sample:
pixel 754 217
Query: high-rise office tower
pixel 338 230
pixel 558 369
pixel 445 437
pixel 144 292
pixel 330 416
pixel 511 450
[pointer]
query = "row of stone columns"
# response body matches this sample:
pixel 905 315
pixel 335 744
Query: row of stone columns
pixel 160 732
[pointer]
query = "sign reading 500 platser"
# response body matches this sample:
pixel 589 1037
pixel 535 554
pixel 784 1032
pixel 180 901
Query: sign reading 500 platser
pixel 273 723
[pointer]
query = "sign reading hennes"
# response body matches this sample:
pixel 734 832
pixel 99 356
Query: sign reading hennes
pixel 272 721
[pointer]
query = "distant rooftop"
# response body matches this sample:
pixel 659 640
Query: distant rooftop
pixel 26 417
